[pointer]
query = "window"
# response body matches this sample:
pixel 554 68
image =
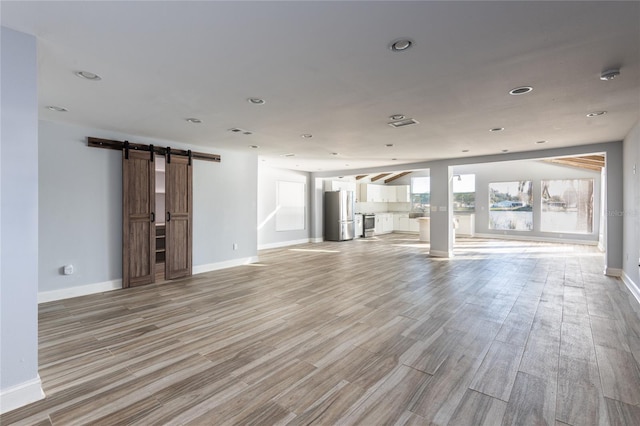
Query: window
pixel 464 193
pixel 511 206
pixel 567 206
pixel 420 194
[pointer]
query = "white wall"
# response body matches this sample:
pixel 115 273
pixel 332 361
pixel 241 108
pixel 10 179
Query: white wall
pixel 268 237
pixel 19 380
pixel 81 210
pixel 631 218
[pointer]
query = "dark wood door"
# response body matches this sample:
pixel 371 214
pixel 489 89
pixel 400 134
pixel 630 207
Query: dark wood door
pixel 179 205
pixel 138 229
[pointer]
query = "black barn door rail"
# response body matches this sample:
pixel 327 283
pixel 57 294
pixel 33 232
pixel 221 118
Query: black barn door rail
pixel 126 145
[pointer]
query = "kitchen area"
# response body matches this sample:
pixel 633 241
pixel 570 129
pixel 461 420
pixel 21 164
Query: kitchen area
pixel 378 208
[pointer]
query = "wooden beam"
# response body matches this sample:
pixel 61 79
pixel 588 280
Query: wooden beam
pixel 380 176
pixel 361 177
pixel 398 176
pixel 568 162
pixel 118 146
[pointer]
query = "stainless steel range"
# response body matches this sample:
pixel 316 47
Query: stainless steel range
pixel 368 224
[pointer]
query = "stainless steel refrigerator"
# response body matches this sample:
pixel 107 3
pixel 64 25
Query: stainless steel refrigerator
pixel 338 215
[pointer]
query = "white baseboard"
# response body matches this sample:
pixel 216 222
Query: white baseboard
pixel 285 244
pixel 82 290
pixel 200 269
pixel 21 395
pixel 613 272
pixel 440 253
pixel 537 239
pixel 634 288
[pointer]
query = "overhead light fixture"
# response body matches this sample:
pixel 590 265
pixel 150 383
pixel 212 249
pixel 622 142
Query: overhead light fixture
pixel 347 165
pixel 57 108
pixel 306 136
pixel 541 142
pixel 520 90
pixel 256 101
pixel 596 114
pixel 87 75
pixel 254 146
pixel 334 153
pixel 394 159
pixel 465 150
pixel 289 155
pixel 237 130
pixel 505 150
pixel 402 123
pixel 609 74
pixel 400 44
pixel 194 120
pixel 389 145
pixel 396 117
pixel 496 129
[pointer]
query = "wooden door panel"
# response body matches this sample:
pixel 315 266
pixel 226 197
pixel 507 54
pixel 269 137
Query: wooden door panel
pixel 179 202
pixel 138 204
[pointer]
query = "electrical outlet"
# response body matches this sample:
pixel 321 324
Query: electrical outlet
pixel 235 246
pixel 68 269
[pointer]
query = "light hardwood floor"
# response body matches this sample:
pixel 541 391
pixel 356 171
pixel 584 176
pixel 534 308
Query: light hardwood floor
pixel 368 332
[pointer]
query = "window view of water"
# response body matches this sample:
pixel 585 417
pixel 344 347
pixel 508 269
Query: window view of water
pixel 511 205
pixel 567 206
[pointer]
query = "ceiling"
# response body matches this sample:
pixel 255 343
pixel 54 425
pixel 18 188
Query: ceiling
pixel 326 69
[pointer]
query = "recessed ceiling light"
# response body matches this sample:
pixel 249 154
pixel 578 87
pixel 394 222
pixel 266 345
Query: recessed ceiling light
pixel 520 90
pixel 396 117
pixel 393 159
pixel 465 150
pixel 496 129
pixel 400 45
pixel 334 153
pixel 505 150
pixel 88 75
pixel 541 142
pixel 403 122
pixel 256 101
pixel 254 146
pixel 347 165
pixel 609 74
pixel 306 135
pixel 57 108
pixel 596 114
pixel 247 133
pixel 289 155
pixel 194 120
pixel 389 145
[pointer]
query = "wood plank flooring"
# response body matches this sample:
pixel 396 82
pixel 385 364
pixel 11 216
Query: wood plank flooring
pixel 369 332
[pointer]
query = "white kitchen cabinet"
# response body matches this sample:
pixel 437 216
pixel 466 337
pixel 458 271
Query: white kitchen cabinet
pixel 370 193
pixel 337 185
pixel 384 223
pixel 403 194
pixel 414 226
pixel 401 222
pixel 388 193
pixel 387 224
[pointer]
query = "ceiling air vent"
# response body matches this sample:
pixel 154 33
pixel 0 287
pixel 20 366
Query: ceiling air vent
pixel 403 123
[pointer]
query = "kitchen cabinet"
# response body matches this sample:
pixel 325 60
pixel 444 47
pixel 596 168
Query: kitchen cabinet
pixel 403 194
pixel 337 185
pixel 370 193
pixel 384 223
pixel 401 222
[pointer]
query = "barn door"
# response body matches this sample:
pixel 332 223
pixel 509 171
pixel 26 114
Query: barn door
pixel 178 186
pixel 138 229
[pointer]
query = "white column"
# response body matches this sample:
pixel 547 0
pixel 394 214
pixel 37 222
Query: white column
pixel 441 211
pixel 19 380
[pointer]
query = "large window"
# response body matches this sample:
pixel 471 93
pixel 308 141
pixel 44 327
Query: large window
pixel 290 209
pixel 511 206
pixel 464 193
pixel 567 206
pixel 420 194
